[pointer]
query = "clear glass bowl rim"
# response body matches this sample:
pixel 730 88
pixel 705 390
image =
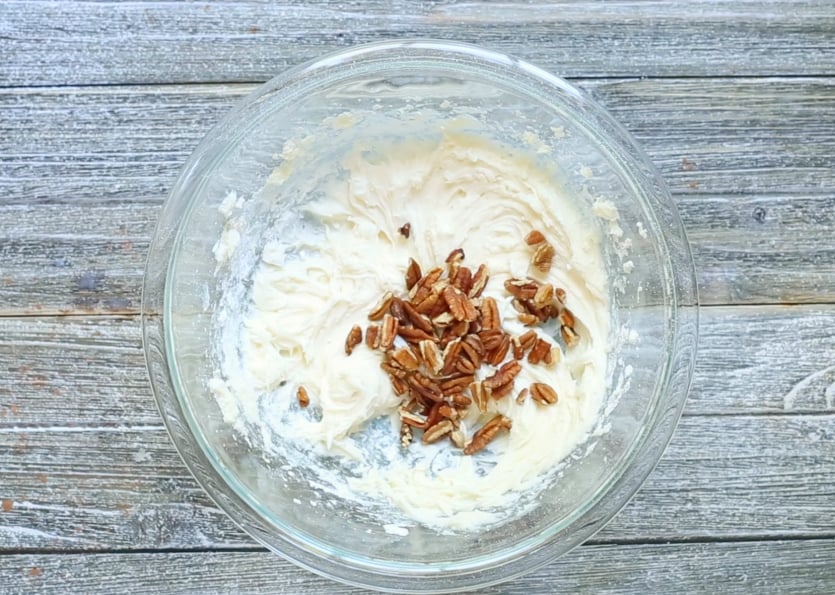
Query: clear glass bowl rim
pixel 649 447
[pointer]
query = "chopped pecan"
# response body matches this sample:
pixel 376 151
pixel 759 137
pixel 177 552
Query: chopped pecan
pixel 460 400
pixel 456 255
pixel 543 257
pixel 413 419
pixel 448 412
pixel 502 391
pixel 544 394
pixel 528 340
pixel 459 304
pixel 534 237
pixel 405 230
pixel 434 414
pixel 414 335
pixel 457 438
pixel 405 359
pixel 482 275
pixel 303 397
pixel 399 385
pixel 413 274
pixel 398 310
pixel 382 307
pixel 560 294
pixel 463 279
pixel 417 319
pixel 372 336
pixel 353 339
pixel 566 318
pixel 516 345
pixel 431 356
pixel 539 351
pixel 528 319
pixel 491 339
pixel 503 375
pixel 523 394
pixel 490 319
pixel 459 329
pixel 406 435
pixel 480 395
pixel 394 371
pixel 436 432
pixel 570 337
pixel 487 433
pixel 471 352
pixel 427 305
pixel 388 331
pixel 496 356
pixel 544 295
pixel 465 366
pixel 451 353
pixel 425 386
pixel 423 287
pixel 524 289
pixel 456 384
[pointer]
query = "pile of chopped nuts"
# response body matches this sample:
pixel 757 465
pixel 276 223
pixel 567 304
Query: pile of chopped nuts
pixel 448 332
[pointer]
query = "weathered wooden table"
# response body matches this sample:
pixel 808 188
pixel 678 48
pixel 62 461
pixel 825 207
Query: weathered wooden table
pixel 100 104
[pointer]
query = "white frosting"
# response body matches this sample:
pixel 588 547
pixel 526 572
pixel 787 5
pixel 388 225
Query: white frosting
pixel 462 191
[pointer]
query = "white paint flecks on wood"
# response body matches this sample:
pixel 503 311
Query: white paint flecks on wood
pixel 50 42
pixel 728 568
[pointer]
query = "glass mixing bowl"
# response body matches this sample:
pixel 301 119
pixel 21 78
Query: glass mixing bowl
pixel 409 86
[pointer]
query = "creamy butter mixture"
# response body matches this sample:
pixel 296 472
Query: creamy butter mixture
pixel 461 191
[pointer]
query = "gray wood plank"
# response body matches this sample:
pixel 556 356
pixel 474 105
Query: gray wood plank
pixel 725 136
pixel 90 372
pixel 124 487
pixel 48 42
pixel 729 568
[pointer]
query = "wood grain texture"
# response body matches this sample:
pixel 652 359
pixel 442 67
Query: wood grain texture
pixel 728 136
pixel 90 372
pixel 729 568
pixel 99 161
pixel 86 463
pixel 49 42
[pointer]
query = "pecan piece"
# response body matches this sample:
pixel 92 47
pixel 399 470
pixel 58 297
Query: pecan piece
pixel 413 335
pixel 518 352
pixel 528 340
pixel 487 433
pixel 417 319
pixel 480 395
pixel 431 356
pixel 543 394
pixel 382 307
pixel 544 295
pixel 459 304
pixel 372 336
pixel 406 435
pixel 451 353
pixel 413 419
pixel 524 289
pixel 482 275
pixel 523 394
pixel 427 305
pixel 534 237
pixel 491 338
pixel 465 366
pixel 413 274
pixel 503 375
pixel 303 397
pixel 455 257
pixel 388 332
pixel 463 280
pixel 460 400
pixel 405 230
pixel 497 355
pixel 539 351
pixel 398 311
pixel 448 412
pixel 569 335
pixel 399 385
pixel 353 339
pixel 456 384
pixel 405 359
pixel 471 352
pixel 425 386
pixel 528 319
pixel 457 438
pixel 543 257
pixel 502 391
pixel 490 318
pixel 436 432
